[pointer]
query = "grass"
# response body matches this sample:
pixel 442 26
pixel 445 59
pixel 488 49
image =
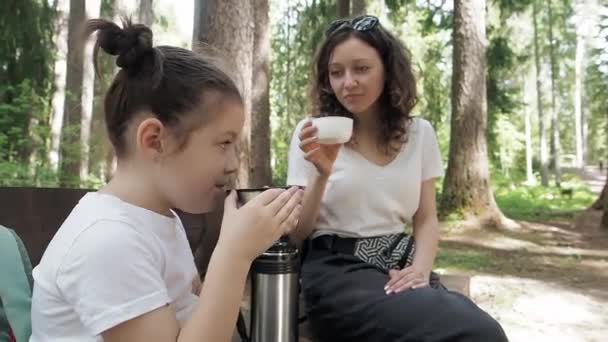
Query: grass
pixel 538 203
pixel 464 260
pixel 456 258
pixel 521 202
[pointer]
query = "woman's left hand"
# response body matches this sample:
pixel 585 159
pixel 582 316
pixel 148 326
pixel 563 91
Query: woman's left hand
pixel 410 277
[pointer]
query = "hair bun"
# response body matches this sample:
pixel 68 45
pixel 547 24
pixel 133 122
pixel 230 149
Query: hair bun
pixel 135 42
pixel 130 43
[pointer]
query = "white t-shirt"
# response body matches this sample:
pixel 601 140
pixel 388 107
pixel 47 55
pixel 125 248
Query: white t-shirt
pixel 108 263
pixel 363 199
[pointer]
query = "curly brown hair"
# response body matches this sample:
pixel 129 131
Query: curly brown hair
pixel 398 97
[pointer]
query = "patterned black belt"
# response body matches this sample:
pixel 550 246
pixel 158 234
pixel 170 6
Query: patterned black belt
pixel 334 244
pixel 385 251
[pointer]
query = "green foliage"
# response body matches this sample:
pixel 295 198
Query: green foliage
pixel 506 59
pixel 20 174
pixel 25 53
pixel 537 203
pixel 23 138
pixel 596 88
pixel 510 7
pixel 26 57
pixel 425 27
pixel 26 61
pixel 504 96
pixel 435 101
pixel 18 117
pixel 510 143
pixel 299 31
pixel 565 50
pixel 294 42
pixel 436 18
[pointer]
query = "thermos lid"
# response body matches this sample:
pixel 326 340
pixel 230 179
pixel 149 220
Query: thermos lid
pixel 282 246
pixel 281 257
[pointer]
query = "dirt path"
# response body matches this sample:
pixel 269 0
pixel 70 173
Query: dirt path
pixel 544 281
pixel 594 177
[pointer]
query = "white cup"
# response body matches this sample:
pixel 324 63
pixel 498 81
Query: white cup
pixel 333 129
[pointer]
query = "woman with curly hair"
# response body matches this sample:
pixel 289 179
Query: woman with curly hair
pixel 364 277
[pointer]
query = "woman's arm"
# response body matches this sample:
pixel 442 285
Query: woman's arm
pixel 323 158
pixel 426 235
pixel 426 228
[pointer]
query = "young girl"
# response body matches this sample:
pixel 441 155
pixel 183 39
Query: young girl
pixel 120 268
pixel 363 276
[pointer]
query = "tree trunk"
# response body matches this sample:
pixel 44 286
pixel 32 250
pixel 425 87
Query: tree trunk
pixel 578 99
pixel 146 12
pixel 35 141
pixel 585 132
pixel 261 173
pixel 228 26
pixel 529 154
pixel 93 8
pixel 200 7
pixel 544 155
pixel 358 7
pixel 555 141
pixel 599 203
pixel 584 9
pixel 60 37
pixel 70 138
pixel 343 8
pixel 467 181
pixel 604 223
pixel 528 131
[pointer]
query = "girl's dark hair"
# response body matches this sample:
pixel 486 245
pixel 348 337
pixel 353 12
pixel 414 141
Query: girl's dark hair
pixel 399 95
pixel 166 81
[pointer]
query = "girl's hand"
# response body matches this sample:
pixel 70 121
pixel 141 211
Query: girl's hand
pixel 251 229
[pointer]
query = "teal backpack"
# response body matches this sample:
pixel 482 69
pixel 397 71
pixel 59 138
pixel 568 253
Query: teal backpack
pixel 15 287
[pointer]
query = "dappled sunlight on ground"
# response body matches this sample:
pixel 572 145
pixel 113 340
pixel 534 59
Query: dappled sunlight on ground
pixel 543 281
pixel 535 310
pixel 534 238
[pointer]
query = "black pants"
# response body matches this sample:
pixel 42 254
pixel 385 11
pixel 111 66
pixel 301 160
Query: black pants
pixel 345 301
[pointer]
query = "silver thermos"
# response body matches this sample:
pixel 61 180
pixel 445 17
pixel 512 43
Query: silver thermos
pixel 275 294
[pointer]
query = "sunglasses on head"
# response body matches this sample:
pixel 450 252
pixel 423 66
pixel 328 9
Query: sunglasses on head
pixel 361 24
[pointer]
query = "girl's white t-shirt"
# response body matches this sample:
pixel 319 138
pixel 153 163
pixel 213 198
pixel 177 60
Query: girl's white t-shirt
pixel 108 263
pixel 363 199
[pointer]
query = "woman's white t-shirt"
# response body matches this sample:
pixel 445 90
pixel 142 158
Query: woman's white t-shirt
pixel 108 263
pixel 363 199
